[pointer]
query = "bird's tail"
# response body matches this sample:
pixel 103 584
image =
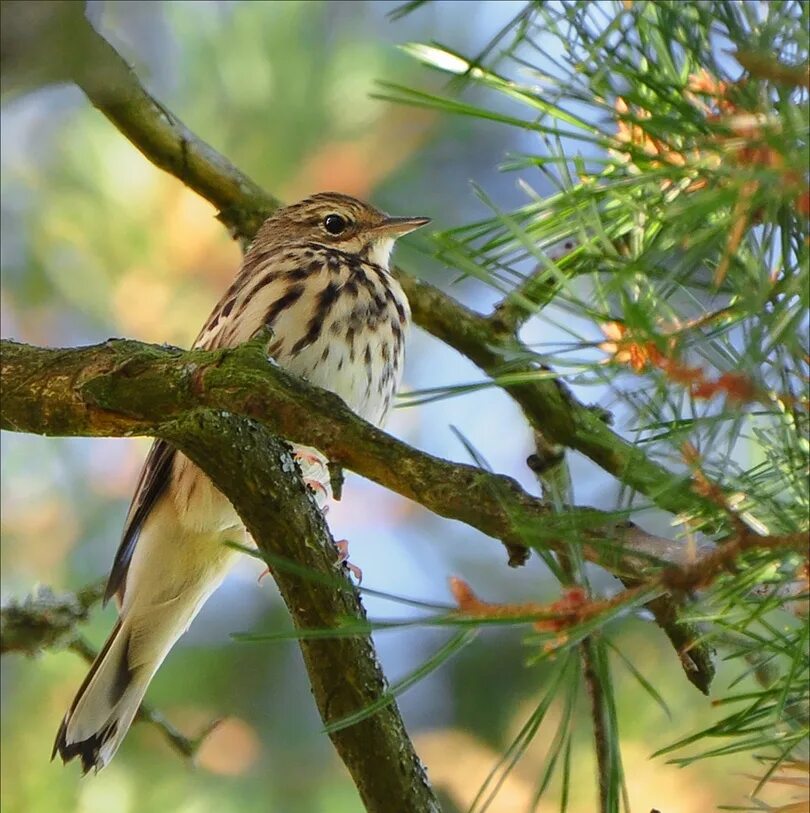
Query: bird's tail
pixel 109 697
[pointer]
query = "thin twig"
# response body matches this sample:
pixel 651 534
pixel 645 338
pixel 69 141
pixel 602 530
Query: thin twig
pixel 601 735
pixel 552 472
pixel 45 620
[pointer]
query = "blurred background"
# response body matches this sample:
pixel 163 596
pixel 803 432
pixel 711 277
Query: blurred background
pixel 96 242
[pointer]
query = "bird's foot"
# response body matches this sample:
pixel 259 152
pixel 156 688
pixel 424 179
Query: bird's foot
pixel 315 473
pixel 320 492
pixel 342 546
pixel 309 457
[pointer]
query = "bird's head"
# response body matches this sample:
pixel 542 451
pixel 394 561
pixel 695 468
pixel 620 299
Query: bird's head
pixel 338 221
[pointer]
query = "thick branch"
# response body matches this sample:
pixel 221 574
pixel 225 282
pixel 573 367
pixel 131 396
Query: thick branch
pixel 128 388
pixel 113 88
pixel 124 387
pixel 253 469
pixel 117 93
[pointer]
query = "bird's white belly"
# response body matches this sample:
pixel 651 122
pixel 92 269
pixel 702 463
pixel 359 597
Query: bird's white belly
pixel 366 383
pixel 358 354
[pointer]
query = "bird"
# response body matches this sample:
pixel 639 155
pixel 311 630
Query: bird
pixel 317 275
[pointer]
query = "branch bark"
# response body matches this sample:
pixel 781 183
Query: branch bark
pixel 124 387
pixel 253 469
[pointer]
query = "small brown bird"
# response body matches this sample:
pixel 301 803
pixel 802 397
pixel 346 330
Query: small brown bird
pixel 317 275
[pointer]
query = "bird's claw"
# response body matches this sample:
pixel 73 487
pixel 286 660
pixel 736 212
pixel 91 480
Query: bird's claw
pixel 342 546
pixel 317 487
pixel 315 474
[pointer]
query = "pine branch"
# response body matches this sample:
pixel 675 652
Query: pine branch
pixel 489 341
pixel 114 89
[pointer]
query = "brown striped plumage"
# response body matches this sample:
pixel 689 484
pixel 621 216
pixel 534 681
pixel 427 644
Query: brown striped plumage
pixel 317 275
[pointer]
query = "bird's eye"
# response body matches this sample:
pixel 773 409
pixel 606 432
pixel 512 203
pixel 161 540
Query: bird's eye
pixel 334 224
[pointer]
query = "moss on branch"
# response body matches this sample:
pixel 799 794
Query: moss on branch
pixel 124 387
pixel 45 620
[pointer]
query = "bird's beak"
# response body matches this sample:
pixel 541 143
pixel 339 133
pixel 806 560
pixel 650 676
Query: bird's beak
pixel 397 226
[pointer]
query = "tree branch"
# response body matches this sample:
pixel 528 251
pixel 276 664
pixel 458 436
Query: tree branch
pixel 112 87
pixel 119 391
pixel 603 744
pixel 116 92
pixel 124 387
pixel 553 473
pixel 253 469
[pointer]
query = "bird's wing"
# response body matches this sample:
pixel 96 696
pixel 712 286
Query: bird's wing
pixel 157 469
pixel 155 476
